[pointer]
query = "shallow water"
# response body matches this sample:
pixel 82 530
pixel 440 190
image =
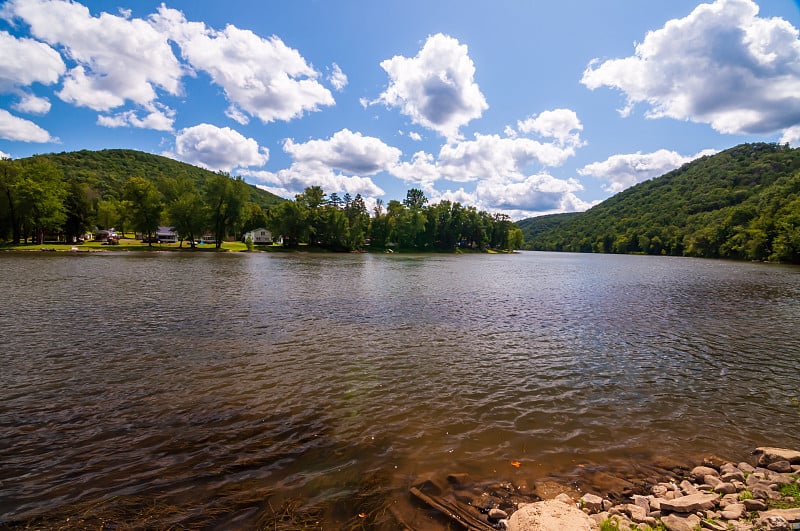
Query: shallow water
pixel 218 386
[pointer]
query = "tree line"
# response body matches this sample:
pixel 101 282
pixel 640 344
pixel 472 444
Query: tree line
pixel 344 224
pixel 36 201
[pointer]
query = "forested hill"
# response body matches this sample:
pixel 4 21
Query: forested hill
pixel 742 203
pixel 107 171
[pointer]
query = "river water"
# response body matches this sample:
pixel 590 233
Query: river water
pixel 208 389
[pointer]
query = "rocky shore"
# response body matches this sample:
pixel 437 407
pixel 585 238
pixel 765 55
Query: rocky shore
pixel 717 496
pixel 760 495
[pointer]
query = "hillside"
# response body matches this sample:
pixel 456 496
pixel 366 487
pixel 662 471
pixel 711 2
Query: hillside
pixel 742 203
pixel 106 171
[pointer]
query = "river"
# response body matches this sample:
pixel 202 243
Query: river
pixel 216 390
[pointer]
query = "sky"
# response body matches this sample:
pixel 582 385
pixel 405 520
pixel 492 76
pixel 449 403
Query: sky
pixel 513 106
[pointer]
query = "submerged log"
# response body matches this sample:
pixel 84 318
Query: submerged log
pixel 459 512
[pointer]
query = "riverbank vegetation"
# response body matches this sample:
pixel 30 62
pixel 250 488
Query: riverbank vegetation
pixel 59 198
pixel 742 203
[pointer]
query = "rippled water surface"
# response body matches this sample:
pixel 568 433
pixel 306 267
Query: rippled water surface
pixel 212 386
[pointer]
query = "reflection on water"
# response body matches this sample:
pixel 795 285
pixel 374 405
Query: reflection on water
pixel 219 387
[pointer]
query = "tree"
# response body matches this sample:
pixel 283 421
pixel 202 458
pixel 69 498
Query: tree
pixel 225 197
pixel 78 211
pixel 41 194
pixel 143 203
pixel 289 219
pixel 9 201
pixel 186 210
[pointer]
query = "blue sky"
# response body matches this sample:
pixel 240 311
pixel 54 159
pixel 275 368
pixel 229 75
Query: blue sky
pixel 514 106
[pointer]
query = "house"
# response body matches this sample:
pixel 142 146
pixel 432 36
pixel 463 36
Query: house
pixel 166 235
pixel 259 236
pixel 208 237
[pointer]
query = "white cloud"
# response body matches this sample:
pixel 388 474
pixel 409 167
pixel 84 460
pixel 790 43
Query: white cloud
pixel 421 171
pixel 561 124
pixel 118 59
pixel 536 194
pixel 623 171
pixel 4 155
pixel 16 128
pixel 32 104
pixel 262 77
pixel 217 148
pixel 722 65
pixel 299 176
pixel 495 157
pixel 26 61
pixel 791 136
pixel 159 118
pixel 413 135
pixel 337 78
pixel 436 89
pixel 347 151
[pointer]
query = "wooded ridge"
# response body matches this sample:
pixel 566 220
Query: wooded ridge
pixel 741 203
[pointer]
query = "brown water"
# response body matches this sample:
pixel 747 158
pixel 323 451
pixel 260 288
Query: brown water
pixel 221 390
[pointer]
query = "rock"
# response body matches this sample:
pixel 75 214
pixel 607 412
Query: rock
pixel 711 480
pixel 737 475
pixel 714 526
pixel 728 499
pixel 790 515
pixel 643 502
pixel 659 490
pixel 690 504
pixel 773 523
pixel 733 511
pixel 725 488
pixel 767 455
pixel 700 472
pixel 592 502
pixel 780 466
pixel 727 468
pixel 754 505
pixel 497 514
pixel 681 523
pixel 549 515
pixel 747 468
pixel 688 488
pixel 564 497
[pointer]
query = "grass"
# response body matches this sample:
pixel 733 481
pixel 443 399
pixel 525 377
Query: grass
pixel 130 244
pixel 791 497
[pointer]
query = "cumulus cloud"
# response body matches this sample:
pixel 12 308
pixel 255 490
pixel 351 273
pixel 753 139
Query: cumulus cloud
pixel 27 61
pixel 16 128
pixel 118 59
pixel 413 135
pixel 4 155
pixel 496 157
pixel 337 164
pixel 539 193
pixel 623 171
pixel 420 172
pixel 261 77
pixel 217 148
pixel 31 104
pixel 791 136
pixel 561 124
pixel 157 118
pixel 337 78
pixel 722 65
pixel 436 89
pixel 347 151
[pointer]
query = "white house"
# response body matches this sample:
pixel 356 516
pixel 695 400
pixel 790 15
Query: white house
pixel 259 236
pixel 166 235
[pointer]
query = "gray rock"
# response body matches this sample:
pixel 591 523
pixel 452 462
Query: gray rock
pixel 688 487
pixel 738 475
pixel 690 504
pixel 550 515
pixel 747 468
pixel 713 481
pixel 790 515
pixel 564 497
pixel 773 523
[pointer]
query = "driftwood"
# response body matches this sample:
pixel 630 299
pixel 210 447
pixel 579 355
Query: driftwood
pixel 459 512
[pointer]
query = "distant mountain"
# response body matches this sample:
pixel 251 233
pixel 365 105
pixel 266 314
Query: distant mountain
pixel 107 170
pixel 742 203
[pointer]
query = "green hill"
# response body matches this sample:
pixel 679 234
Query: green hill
pixel 106 171
pixel 742 203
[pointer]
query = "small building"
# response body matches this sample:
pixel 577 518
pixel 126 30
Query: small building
pixel 208 237
pixel 259 236
pixel 106 235
pixel 166 235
